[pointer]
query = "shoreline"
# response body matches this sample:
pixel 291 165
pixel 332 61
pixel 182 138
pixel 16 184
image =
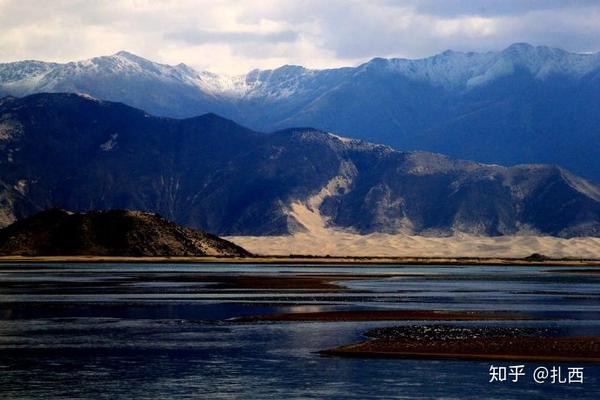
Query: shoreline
pixel 300 260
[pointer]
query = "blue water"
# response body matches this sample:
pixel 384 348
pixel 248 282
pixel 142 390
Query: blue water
pixel 141 331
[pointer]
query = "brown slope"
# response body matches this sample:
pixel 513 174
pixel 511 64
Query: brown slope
pixel 109 233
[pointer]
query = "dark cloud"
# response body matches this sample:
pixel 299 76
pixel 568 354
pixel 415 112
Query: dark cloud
pixel 487 8
pixel 411 28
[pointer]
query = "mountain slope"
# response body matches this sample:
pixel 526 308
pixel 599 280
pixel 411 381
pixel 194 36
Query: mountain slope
pixel 77 153
pixel 524 104
pixel 109 233
pixel 521 105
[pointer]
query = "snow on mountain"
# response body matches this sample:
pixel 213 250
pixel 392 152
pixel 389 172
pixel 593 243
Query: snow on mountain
pixel 452 69
pixel 449 69
pixel 35 76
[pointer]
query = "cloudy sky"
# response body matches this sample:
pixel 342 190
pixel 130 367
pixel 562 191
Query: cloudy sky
pixel 235 36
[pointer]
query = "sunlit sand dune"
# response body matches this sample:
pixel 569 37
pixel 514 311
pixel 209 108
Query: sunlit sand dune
pixel 346 244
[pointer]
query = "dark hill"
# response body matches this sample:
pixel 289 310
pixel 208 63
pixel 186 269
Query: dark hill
pixel 72 152
pixel 109 233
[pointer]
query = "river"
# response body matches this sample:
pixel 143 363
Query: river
pixel 160 331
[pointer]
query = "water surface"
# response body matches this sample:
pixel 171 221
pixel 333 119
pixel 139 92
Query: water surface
pixel 156 331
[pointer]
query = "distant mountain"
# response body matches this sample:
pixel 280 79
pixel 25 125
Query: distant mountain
pixel 163 89
pixel 77 153
pixel 520 105
pixel 109 233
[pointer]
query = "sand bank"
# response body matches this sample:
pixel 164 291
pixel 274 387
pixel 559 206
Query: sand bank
pixel 473 344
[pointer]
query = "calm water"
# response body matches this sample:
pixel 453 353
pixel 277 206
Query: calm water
pixel 158 331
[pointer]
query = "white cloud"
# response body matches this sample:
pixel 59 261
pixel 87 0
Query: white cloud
pixel 235 36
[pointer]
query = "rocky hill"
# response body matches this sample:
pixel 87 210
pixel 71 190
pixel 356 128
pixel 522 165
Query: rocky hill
pixel 77 153
pixel 109 233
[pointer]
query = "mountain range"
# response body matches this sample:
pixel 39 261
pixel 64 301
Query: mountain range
pixel 79 153
pixel 524 104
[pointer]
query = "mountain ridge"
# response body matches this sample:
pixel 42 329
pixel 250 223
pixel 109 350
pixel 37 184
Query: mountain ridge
pixel 519 52
pixel 524 104
pixel 76 153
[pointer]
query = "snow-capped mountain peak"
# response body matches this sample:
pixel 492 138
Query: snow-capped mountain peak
pixel 449 69
pixel 126 54
pixel 452 69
